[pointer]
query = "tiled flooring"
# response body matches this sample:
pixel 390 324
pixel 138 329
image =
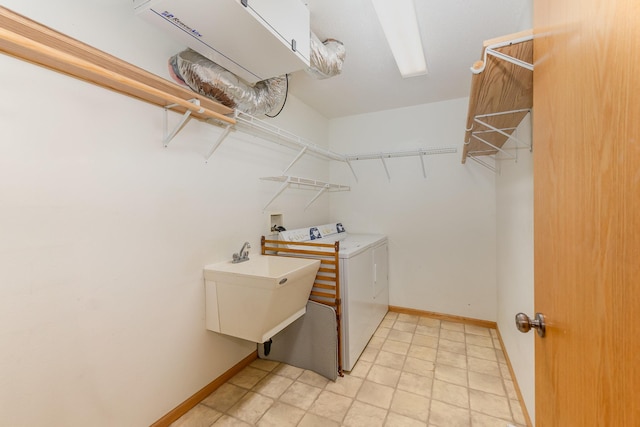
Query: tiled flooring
pixel 415 371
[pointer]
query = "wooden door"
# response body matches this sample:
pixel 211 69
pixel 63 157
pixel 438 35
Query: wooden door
pixel 587 211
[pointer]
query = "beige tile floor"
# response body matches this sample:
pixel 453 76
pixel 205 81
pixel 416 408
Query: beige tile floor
pixel 415 371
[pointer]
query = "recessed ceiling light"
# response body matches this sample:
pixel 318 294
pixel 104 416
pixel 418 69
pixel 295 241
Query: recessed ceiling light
pixel 400 26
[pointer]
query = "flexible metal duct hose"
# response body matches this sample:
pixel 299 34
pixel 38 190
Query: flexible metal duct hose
pixel 326 58
pixel 213 81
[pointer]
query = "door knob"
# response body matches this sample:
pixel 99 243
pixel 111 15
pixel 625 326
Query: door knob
pixel 524 323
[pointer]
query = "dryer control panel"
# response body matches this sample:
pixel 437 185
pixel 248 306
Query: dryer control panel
pixel 312 233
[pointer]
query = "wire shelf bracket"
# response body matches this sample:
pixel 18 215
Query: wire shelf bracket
pixel 352 171
pixel 482 163
pixel 491 50
pixel 168 136
pixel 386 169
pixel 245 121
pixel 494 150
pixel 424 170
pixel 293 162
pixel 293 181
pixel 221 137
pixel 480 119
pixel 500 131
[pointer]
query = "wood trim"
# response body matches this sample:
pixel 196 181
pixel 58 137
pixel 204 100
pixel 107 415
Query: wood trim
pixel 33 42
pixel 447 317
pixel 201 394
pixel 525 412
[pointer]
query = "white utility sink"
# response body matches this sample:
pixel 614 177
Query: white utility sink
pixel 256 299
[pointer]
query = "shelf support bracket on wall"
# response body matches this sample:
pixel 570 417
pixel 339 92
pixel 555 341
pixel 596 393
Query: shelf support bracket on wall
pixel 318 194
pixel 483 163
pixel 352 171
pixel 491 50
pixel 303 183
pixel 300 154
pixel 424 170
pixel 509 156
pixel 283 187
pixel 385 167
pixel 490 129
pixel 495 129
pixel 216 144
pixel 185 117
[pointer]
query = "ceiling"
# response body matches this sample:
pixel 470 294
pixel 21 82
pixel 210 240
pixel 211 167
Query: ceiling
pixel 452 34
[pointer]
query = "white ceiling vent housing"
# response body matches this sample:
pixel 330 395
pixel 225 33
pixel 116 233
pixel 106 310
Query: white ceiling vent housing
pixel 254 39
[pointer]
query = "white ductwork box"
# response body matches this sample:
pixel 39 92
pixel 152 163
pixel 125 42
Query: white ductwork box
pixel 254 39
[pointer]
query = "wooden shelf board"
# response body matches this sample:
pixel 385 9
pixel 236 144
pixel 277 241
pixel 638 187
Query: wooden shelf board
pixel 502 86
pixel 30 41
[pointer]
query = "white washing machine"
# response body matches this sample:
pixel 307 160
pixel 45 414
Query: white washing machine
pixel 364 281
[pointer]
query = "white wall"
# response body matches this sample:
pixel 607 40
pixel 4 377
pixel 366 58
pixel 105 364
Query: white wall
pixel 441 229
pixel 461 241
pixel 104 232
pixel 514 202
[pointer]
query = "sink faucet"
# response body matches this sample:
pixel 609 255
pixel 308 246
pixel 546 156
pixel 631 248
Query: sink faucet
pixel 243 255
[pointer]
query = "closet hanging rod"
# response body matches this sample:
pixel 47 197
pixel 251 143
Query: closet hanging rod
pixel 33 42
pixel 81 64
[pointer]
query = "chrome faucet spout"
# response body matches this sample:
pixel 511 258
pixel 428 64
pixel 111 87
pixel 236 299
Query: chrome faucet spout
pixel 243 255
